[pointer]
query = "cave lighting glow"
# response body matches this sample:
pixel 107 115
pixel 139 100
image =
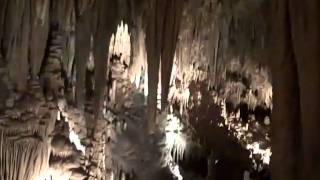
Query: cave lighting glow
pixel 173 135
pixel 241 132
pixel 74 138
pixel 175 141
pixel 120 42
pixel 174 168
pixel 45 176
pixel 52 175
pixel 265 153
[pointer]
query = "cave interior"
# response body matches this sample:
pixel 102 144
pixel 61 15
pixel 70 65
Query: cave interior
pixel 159 90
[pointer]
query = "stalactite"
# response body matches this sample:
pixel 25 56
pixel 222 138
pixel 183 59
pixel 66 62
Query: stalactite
pixel 70 54
pixel 106 24
pixel 82 49
pixel 12 20
pixel 171 30
pixel 39 34
pixel 138 61
pixel 24 38
pixel 153 57
pixel 16 40
pixel 216 58
pixel 82 5
pixel 158 28
pixel 3 10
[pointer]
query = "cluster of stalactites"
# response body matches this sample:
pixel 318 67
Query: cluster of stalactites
pixel 213 33
pixel 248 83
pixel 176 140
pixel 24 160
pixel 162 30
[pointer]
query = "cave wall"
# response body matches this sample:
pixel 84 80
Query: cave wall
pixel 295 38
